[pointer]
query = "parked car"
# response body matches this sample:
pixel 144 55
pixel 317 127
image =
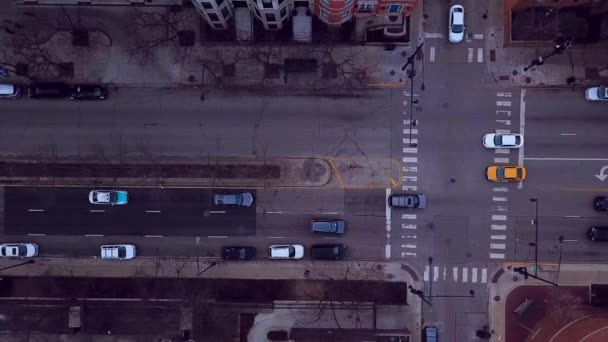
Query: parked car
pixel 597 234
pixel 327 226
pixel 596 94
pixel 456 24
pixel 118 252
pixel 88 92
pixel 511 140
pixel 9 91
pixel 238 253
pixel 430 334
pixel 601 203
pixel 22 250
pixel 409 201
pixel 244 199
pixel 498 173
pixel 286 252
pixel 47 90
pixel 111 197
pixel 329 252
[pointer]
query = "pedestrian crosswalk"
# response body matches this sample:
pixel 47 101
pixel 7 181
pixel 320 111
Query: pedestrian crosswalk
pixel 473 54
pixel 456 274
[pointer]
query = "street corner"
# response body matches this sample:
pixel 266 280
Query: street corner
pixel 549 313
pixel 366 173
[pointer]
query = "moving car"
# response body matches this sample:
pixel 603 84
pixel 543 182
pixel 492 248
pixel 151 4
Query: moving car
pixel 238 253
pixel 456 24
pixel 47 90
pixel 112 197
pixel 328 226
pixel 23 250
pixel 329 252
pixel 244 199
pixel 9 91
pixel 413 201
pixel 597 94
pixel 596 234
pixel 511 140
pixel 88 92
pixel 601 203
pixel 498 173
pixel 118 252
pixel 286 252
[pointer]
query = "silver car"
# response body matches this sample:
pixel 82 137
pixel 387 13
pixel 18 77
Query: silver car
pixel 18 250
pixel 596 94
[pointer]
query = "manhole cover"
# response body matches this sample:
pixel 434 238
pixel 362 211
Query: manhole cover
pixel 528 79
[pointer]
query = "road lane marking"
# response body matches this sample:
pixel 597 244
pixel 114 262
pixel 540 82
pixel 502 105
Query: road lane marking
pixel 217 236
pixel 499 217
pixel 408 216
pixel 388 214
pixel 455 274
pixel 474 275
pixel 410 159
pixel 567 159
pixel 501 160
pixel 432 57
pixel 410 178
pixel 501 151
pixel 503 112
pixel 413 130
pixel 270 237
pixel 408 226
pixel 435 273
pixel 465 274
pixel 497 256
pixel 499 208
pixel 572 216
pixel 498 237
pixel 470 55
pixel 408 245
pixel 444 272
pixel 214 211
pixel 36 234
pixel 158 211
pixel 410 149
pixel 35 210
pixel 274 212
pixel 97 211
pixel 503 103
pixel 568 134
pixel 501 94
pixel 499 227
pixel 479 55
pixel 409 168
pixel 484 275
pixel 408 237
pixel 498 246
pixel 330 213
pixel 93 235
pixel 412 254
pixel 409 187
pixel 153 236
pixel 501 189
pixel 499 199
pixel 505 122
pixel 426 273
pixel 522 126
pixel 503 131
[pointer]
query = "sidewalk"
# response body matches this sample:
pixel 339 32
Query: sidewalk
pixel 588 64
pixel 505 282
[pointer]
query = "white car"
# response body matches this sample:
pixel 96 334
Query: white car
pixel 118 252
pixel 23 250
pixel 112 197
pixel 597 94
pixel 510 140
pixel 286 252
pixel 456 24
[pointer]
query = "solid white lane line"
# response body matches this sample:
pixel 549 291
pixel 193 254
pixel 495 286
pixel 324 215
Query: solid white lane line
pixel 497 256
pixel 274 212
pixel 273 237
pixel 426 273
pixel 503 103
pixel 568 159
pixel 474 275
pixel 35 210
pixel 210 212
pixel 479 55
pixel 498 246
pixel 501 160
pixel 522 126
pixel 329 213
pixel 465 274
pixel 484 275
pixel 93 235
pixel 408 216
pixel 499 217
pixel 159 236
pixel 568 134
pixel 36 234
pixel 572 216
pixel 499 227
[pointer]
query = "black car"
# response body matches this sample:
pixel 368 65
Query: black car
pixel 47 90
pixel 238 253
pixel 601 203
pixel 88 92
pixel 327 226
pixel 329 252
pixel 411 201
pixel 597 234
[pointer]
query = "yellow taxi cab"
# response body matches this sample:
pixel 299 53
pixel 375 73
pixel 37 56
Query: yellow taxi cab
pixel 505 173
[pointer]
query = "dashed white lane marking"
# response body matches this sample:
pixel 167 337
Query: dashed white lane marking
pixel 499 208
pixel 572 216
pixel 409 187
pixel 408 216
pixel 93 235
pixel 484 275
pixel 408 245
pixel 225 237
pixel 503 112
pixel 474 275
pixel 426 273
pixel 498 237
pixel 499 227
pixel 567 134
pixel 497 256
pixel 501 189
pixel 410 159
pixel 501 151
pixel 565 159
pixel 409 237
pixel 455 273
pixel 407 130
pixel 478 36
pixel 388 214
pixel 407 93
pixel 499 199
pixel 410 168
pixel 503 131
pixel 499 217
pixel 433 35
pixel 479 55
pixel 160 236
pixel 470 56
pixel 330 213
pixel 35 210
pixel 274 212
pixel 498 246
pixel 410 178
pixel 501 160
pixel 503 103
pixel 465 274
pixel 210 212
pixel 522 125
pixel 432 54
pixel 410 149
pixel 97 211
pixel 435 273
pixel 505 122
pixel 408 226
pixel 501 94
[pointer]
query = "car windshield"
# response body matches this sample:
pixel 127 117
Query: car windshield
pixel 498 140
pixel 519 173
pixel 457 28
pixel 292 252
pixel 602 93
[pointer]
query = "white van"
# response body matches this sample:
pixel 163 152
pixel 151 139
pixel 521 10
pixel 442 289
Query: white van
pixel 9 91
pixel 118 252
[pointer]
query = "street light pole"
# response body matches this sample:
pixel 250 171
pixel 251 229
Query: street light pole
pixel 208 267
pixel 535 201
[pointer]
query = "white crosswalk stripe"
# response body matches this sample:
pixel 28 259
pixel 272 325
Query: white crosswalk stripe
pixel 459 274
